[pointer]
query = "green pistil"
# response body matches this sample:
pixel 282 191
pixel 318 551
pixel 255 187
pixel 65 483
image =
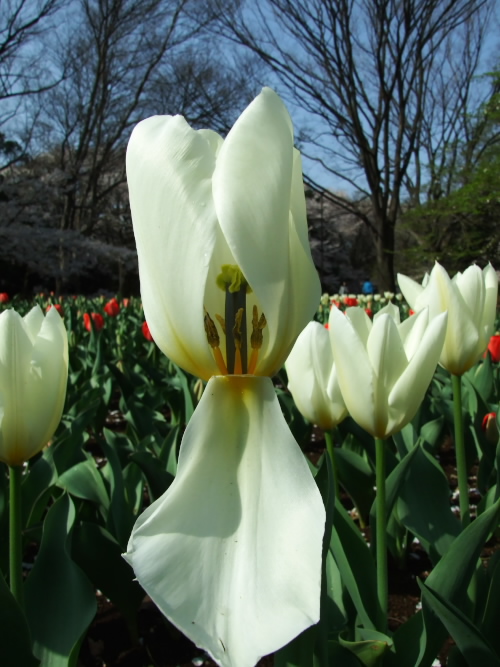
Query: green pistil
pixel 231 279
pixel 236 287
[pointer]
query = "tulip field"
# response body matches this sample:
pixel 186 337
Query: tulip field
pixel 115 451
pixel 234 470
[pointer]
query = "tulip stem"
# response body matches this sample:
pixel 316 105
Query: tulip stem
pixel 330 449
pixel 381 537
pixel 463 485
pixel 15 535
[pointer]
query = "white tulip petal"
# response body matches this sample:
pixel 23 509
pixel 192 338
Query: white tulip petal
pixel 412 331
pixel 231 553
pixel 361 322
pixel 408 392
pixel 490 302
pixel 391 310
pixel 470 284
pixel 388 361
pixel 252 187
pixel 169 173
pixel 46 392
pixel 311 374
pixel 15 349
pixel 33 322
pixel 33 378
pixel 410 289
pixel 354 371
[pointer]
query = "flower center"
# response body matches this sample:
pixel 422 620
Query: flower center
pixel 234 325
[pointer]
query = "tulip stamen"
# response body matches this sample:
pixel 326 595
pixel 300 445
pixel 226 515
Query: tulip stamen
pixel 214 342
pixel 258 323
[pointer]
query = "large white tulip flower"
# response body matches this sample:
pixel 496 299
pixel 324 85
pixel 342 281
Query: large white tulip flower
pixel 312 378
pixel 470 299
pixel 33 380
pixel 231 553
pixel 384 368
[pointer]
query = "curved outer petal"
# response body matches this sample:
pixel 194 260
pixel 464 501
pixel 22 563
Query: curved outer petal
pixel 408 392
pixel 231 553
pixel 310 374
pixel 354 370
pixel 257 188
pixel 33 377
pixel 169 174
pixel 48 379
pixel 410 289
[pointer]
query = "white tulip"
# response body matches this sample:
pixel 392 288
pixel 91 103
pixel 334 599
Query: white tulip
pixel 470 299
pixel 312 378
pixel 231 553
pixel 33 380
pixel 384 367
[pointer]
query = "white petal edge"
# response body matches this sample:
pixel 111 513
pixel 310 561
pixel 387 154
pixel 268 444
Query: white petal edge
pixel 231 553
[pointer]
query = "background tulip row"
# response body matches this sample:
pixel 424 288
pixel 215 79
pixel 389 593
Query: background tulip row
pixel 116 449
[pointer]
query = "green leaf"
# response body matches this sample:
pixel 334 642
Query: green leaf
pixel 299 652
pixel 84 481
pixel 451 576
pixel 472 644
pixel 121 514
pixel 357 478
pixel 60 601
pixel 356 566
pixel 369 652
pixel 15 643
pixel 100 557
pixel 423 505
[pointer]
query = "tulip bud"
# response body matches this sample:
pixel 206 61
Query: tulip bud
pixel 33 379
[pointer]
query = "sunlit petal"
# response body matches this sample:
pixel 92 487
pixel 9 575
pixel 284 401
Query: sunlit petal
pixel 169 173
pixel 354 371
pixel 231 552
pixel 407 393
pixel 311 375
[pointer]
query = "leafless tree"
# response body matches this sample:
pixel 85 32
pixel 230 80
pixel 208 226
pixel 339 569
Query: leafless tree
pixel 22 69
pixel 124 60
pixel 366 74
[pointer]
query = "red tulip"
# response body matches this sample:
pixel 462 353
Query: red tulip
pixel 350 301
pixel 4 297
pixel 490 427
pixel 97 320
pixel 327 326
pixel 146 332
pixel 494 348
pixel 112 308
pixel 126 302
pixel 57 306
pixel 369 312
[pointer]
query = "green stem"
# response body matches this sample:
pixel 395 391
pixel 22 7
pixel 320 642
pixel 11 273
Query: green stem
pixel 15 535
pixel 463 485
pixel 329 449
pixel 381 533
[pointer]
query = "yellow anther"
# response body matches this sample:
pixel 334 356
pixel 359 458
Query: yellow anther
pixel 258 323
pixel 213 341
